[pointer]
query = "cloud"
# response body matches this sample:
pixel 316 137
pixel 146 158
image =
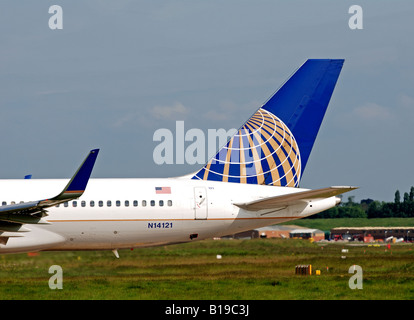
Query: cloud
pixel 407 101
pixel 215 115
pixel 168 112
pixel 124 120
pixel 157 113
pixel 371 111
pixel 230 110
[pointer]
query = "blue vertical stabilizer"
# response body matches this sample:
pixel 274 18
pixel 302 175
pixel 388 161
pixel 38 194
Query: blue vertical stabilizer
pixel 302 101
pixel 274 145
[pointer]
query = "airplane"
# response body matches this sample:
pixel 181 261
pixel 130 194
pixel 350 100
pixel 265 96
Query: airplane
pixel 252 181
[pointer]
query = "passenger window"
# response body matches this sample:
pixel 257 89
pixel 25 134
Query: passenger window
pixel 144 203
pixel 83 203
pixel 161 203
pixel 4 203
pixel 74 204
pixel 66 204
pixel 100 203
pixel 126 203
pixel 92 203
pixel 135 203
pixel 118 203
pixel 108 203
pixel 152 203
pixel 169 203
pixel 13 202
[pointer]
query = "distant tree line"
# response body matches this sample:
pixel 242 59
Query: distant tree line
pixel 368 208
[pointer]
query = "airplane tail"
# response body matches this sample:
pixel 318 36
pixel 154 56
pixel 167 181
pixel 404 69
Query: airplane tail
pixel 273 146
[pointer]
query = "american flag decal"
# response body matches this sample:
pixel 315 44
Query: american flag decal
pixel 163 190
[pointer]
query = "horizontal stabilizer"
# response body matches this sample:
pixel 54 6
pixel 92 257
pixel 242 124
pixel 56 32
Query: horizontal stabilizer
pixel 10 234
pixel 293 198
pixel 6 226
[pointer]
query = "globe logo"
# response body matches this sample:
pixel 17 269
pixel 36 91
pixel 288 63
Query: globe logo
pixel 263 151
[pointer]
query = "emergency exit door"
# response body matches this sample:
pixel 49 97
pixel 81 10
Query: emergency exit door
pixel 200 203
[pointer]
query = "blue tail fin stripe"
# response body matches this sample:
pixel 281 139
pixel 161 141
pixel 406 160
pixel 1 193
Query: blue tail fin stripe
pixel 274 145
pixel 302 101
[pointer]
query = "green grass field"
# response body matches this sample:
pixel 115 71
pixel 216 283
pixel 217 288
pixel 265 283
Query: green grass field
pixel 260 269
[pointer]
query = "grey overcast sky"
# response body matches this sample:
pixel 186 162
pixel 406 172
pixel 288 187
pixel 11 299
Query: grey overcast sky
pixel 120 70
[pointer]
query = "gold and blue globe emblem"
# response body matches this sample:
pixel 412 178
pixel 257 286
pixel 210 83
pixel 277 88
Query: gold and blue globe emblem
pixel 263 151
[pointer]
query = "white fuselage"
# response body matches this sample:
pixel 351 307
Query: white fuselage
pixel 128 213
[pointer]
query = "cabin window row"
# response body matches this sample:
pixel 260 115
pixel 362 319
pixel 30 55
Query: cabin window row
pixel 108 203
pixel 118 203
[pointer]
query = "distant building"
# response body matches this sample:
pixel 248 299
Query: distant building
pixel 266 232
pixel 377 233
pixel 315 234
pixel 285 232
pixel 275 231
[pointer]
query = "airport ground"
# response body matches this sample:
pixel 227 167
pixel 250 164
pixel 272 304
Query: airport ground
pixel 258 269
